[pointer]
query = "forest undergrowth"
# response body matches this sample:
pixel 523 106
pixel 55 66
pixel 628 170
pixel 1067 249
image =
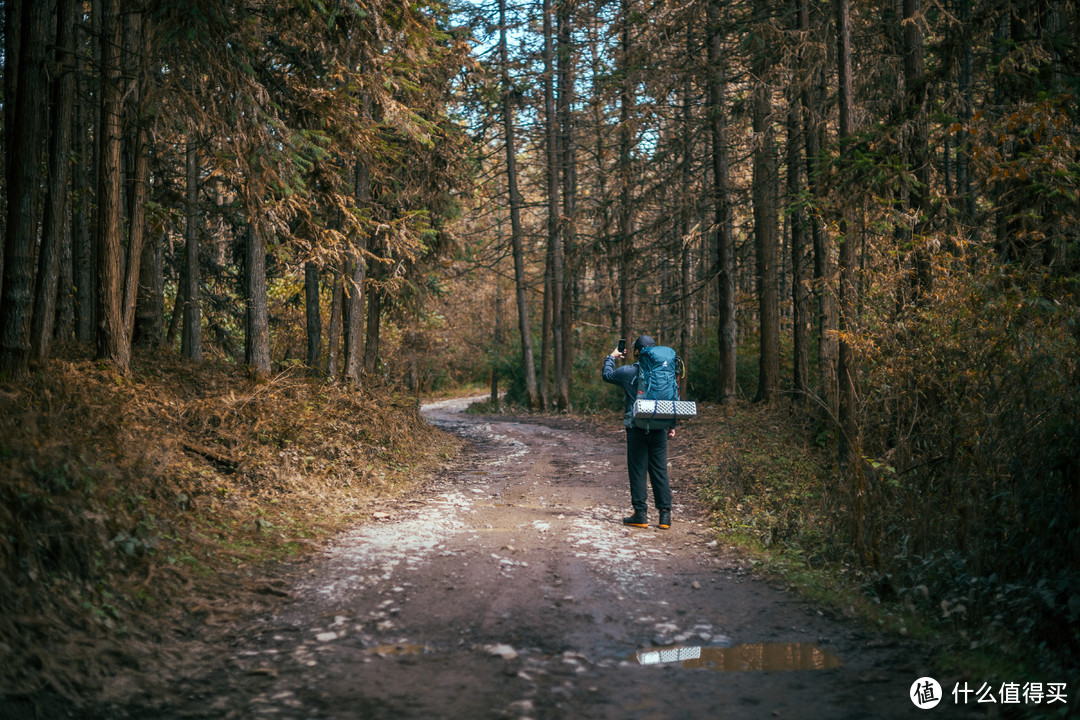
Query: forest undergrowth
pixel 133 507
pixel 765 473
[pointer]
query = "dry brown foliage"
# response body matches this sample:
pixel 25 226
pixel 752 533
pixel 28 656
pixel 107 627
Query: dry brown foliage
pixel 133 507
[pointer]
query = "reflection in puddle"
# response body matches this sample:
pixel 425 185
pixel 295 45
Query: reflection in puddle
pixel 769 657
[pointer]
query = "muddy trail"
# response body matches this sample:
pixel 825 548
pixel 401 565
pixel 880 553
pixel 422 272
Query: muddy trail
pixel 510 589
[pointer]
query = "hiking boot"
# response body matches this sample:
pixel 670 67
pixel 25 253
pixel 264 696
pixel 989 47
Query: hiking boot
pixel 665 520
pixel 636 520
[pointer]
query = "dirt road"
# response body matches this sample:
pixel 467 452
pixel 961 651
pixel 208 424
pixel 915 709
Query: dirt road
pixel 511 589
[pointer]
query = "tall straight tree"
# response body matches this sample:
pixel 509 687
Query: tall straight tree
pixel 28 34
pixel 516 231
pixel 626 174
pixel 766 234
pixel 110 327
pixel 800 295
pixel 256 316
pixel 724 224
pixel 136 50
pixel 813 101
pixel 554 223
pixel 54 225
pixel 354 284
pixel 917 145
pixel 849 445
pixel 566 58
pixel 191 332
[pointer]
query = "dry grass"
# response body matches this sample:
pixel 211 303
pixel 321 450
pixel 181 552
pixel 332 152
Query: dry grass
pixel 134 507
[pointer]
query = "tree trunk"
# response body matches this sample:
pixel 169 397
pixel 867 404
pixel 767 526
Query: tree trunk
pixel 25 136
pixel 374 320
pixel 335 325
pixel 626 179
pixel 313 315
pixel 686 211
pixel 800 294
pixel 563 277
pixel 849 446
pixel 191 335
pixel 54 226
pixel 727 337
pixel 516 231
pixel 918 161
pixel 765 224
pixel 83 242
pixel 813 100
pixel 550 340
pixel 356 269
pixel 110 329
pixel 256 317
pixel 137 43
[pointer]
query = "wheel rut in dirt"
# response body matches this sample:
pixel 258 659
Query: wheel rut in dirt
pixel 511 589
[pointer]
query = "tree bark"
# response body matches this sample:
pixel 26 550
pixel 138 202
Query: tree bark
pixel 313 313
pixel 256 317
pixel 83 241
pixel 550 341
pixel 563 276
pixel 54 226
pixel 917 146
pixel 25 136
pixel 727 337
pixel 191 334
pixel 800 294
pixel 356 274
pixel 626 209
pixel 335 325
pixel 137 44
pixel 516 232
pixel 110 329
pixel 813 100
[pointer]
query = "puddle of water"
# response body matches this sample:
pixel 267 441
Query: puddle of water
pixel 766 657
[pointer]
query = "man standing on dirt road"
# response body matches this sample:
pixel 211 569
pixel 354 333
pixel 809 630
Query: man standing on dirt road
pixel 645 450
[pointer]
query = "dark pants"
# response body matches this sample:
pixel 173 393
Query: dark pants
pixel 647 452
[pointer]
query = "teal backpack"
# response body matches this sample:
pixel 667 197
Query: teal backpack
pixel 658 374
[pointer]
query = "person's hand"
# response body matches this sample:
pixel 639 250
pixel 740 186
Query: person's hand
pixel 616 354
pixel 671 433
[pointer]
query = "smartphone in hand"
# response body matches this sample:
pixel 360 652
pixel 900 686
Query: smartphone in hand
pixel 622 345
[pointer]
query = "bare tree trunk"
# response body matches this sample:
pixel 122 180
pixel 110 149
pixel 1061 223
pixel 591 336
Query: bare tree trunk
pixel 686 212
pixel 110 258
pixel 550 340
pixel 335 325
pixel 800 294
pixel 813 100
pixel 84 245
pixel 356 274
pixel 25 136
pixel 516 231
pixel 191 335
pixel 54 226
pixel 626 179
pixel 765 223
pixel 256 317
pixel 137 43
pixel 918 160
pixel 374 320
pixel 727 336
pixel 313 315
pixel 563 314
pixel 849 445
